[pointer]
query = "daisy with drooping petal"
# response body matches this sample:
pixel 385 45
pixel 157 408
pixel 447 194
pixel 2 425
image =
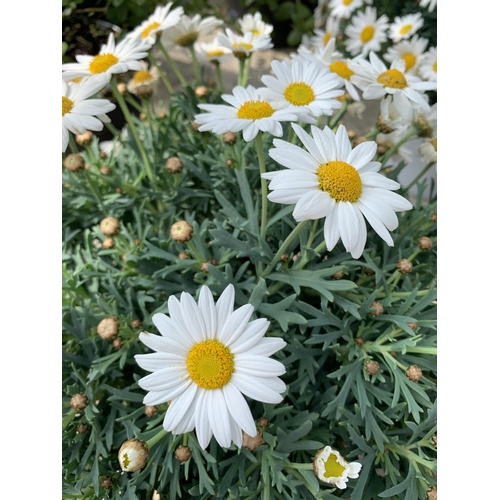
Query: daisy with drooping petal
pixel 334 181
pixel 430 3
pixel 81 113
pixel 207 357
pixel 321 37
pixel 242 46
pixel 302 84
pixel 429 68
pixel 161 19
pixel 112 59
pixel 406 26
pixel 332 468
pixel 247 112
pixel 255 25
pixel 344 8
pixel 188 30
pixel 411 51
pixel 212 51
pixel 366 32
pixel 144 83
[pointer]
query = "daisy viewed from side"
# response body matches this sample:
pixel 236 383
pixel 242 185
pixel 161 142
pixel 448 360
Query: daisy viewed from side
pixel 406 26
pixel 332 468
pixel 188 30
pixel 247 112
pixel 254 25
pixel 207 357
pixel 332 180
pixel 411 51
pixel 366 32
pixel 321 37
pixel 429 68
pixel 144 83
pixel 431 4
pixel 344 8
pixel 242 46
pixel 212 51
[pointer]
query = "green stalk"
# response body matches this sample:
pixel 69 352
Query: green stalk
pixel 163 75
pixel 241 71
pixel 334 121
pixel 263 182
pixel 152 441
pixel 172 64
pixel 419 176
pixel 219 76
pixel 373 133
pixel 196 67
pixel 413 132
pixel 72 144
pixel 113 130
pixel 92 189
pixel 195 252
pixel 246 71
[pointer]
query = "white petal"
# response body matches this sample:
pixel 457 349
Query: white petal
pixel 362 154
pixel 235 324
pixel 179 407
pixel 313 205
pixel 202 423
pixel 224 306
pixel 255 388
pixel 344 147
pixel 267 346
pixel 207 307
pixel 238 408
pixel 192 317
pixel 159 360
pixel 250 337
pixel 258 366
pixel 332 228
pixel 219 417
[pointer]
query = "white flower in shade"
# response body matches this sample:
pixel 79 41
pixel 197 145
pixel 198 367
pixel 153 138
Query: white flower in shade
pixel 112 59
pixel 188 30
pixel 411 51
pixel 321 13
pixel 391 119
pixel 212 51
pixel 431 4
pixel 207 357
pixel 144 82
pixel 247 112
pixel 344 8
pixel 242 46
pixel 377 81
pixel 406 26
pixel 366 32
pixel 79 111
pixel 334 181
pixel 428 150
pixel 302 84
pixel 255 25
pixel 161 19
pixel 332 468
pixel 321 37
pixel 429 68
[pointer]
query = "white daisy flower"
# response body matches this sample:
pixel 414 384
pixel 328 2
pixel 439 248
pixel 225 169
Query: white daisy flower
pixel 81 113
pixel 377 81
pixel 406 26
pixel 366 32
pixel 247 112
pixel 144 82
pixel 431 4
pixel 428 150
pixel 411 51
pixel 429 67
pixel 212 51
pixel 255 25
pixel 302 84
pixel 188 30
pixel 344 8
pixel 390 118
pixel 161 19
pixel 334 181
pixel 332 468
pixel 243 46
pixel 321 13
pixel 207 357
pixel 112 59
pixel 321 37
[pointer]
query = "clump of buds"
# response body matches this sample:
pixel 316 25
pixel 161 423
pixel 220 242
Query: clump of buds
pixel 133 455
pixel 150 411
pixel 108 328
pixel 404 266
pixel 85 138
pixel 229 138
pixel 372 367
pixel 378 309
pixel 414 373
pixel 201 91
pixel 74 163
pixel 109 226
pixel 425 243
pixel 181 231
pixel 174 165
pixel 79 401
pixel 252 443
pixel 183 453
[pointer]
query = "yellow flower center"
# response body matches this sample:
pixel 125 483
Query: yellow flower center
pixel 142 77
pixel 367 34
pixel 67 105
pixel 347 2
pixel 299 94
pixel 341 68
pixel 326 38
pixel 102 63
pixel 126 460
pixel 187 39
pixel 392 78
pixel 340 180
pixel 77 79
pixel 215 53
pixel 405 29
pixel 410 60
pixel 255 32
pixel 435 66
pixel 148 29
pixel 242 45
pixel 332 467
pixel 210 364
pixel 434 142
pixel 254 110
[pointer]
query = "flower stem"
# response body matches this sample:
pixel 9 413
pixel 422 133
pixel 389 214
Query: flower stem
pixel 246 71
pixel 151 442
pixel 263 183
pixel 195 252
pixel 383 159
pixel 373 133
pixel 172 64
pixel 92 189
pixel 196 67
pixel 241 71
pixel 72 144
pixel 335 120
pixel 163 75
pixel 218 73
pixel 419 176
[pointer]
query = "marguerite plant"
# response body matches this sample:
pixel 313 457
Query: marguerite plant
pixel 365 32
pixel 404 27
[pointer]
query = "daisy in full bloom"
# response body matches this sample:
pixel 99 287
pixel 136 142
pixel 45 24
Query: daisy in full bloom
pixel 406 26
pixel 112 59
pixel 430 3
pixel 428 70
pixel 255 25
pixel 376 81
pixel 212 51
pixel 188 30
pixel 366 32
pixel 207 357
pixel 330 467
pixel 303 84
pixel 321 37
pixel 161 19
pixel 144 83
pixel 344 8
pixel 81 113
pixel 247 112
pixel 334 181
pixel 411 51
pixel 242 46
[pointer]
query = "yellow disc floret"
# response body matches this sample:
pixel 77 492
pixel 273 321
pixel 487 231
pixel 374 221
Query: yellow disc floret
pixel 142 77
pixel 340 180
pixel 393 78
pixel 333 467
pixel 148 29
pixel 435 66
pixel 215 53
pixel 255 110
pixel 210 364
pixel 242 46
pixel 341 69
pixel 405 29
pixel 410 60
pixel 299 94
pixel 67 105
pixel 367 33
pixel 187 39
pixel 347 2
pixel 102 63
pixel 326 38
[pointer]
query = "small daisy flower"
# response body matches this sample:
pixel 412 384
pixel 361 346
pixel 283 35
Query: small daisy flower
pixel 208 356
pixel 81 113
pixel 429 68
pixel 406 26
pixel 188 30
pixel 242 46
pixel 411 51
pixel 366 32
pixel 428 150
pixel 247 112
pixel 212 51
pixel 334 181
pixel 161 19
pixel 255 25
pixel 321 13
pixel 302 84
pixel 390 118
pixel 112 59
pixel 321 37
pixel 431 4
pixel 144 82
pixel 332 468
pixel 344 8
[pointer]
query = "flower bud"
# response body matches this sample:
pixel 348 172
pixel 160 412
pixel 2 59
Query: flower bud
pixel 174 165
pixel 136 324
pixel 204 266
pixel 133 455
pixel 74 163
pixel 105 170
pixel 229 163
pixel 201 91
pixel 82 428
pixel 79 401
pixel 122 88
pixel 195 126
pixel 413 325
pixel 360 340
pixel 229 138
pixel 404 266
pixel 109 226
pixel 372 367
pixel 434 218
pixel 383 126
pixel 432 493
pixel 144 91
pixel 425 243
pixel 338 275
pixel 414 373
pixel 435 440
pixel 108 243
pixel 106 483
pixel 351 134
pixel 378 309
pixel 181 231
pixel 183 453
pixel 85 138
pixel 359 140
pixel 183 255
pixel 150 411
pixel 252 443
pixel 330 467
pixel 263 422
pixel 108 328
pixel 103 155
pixel 162 114
pixel 117 344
